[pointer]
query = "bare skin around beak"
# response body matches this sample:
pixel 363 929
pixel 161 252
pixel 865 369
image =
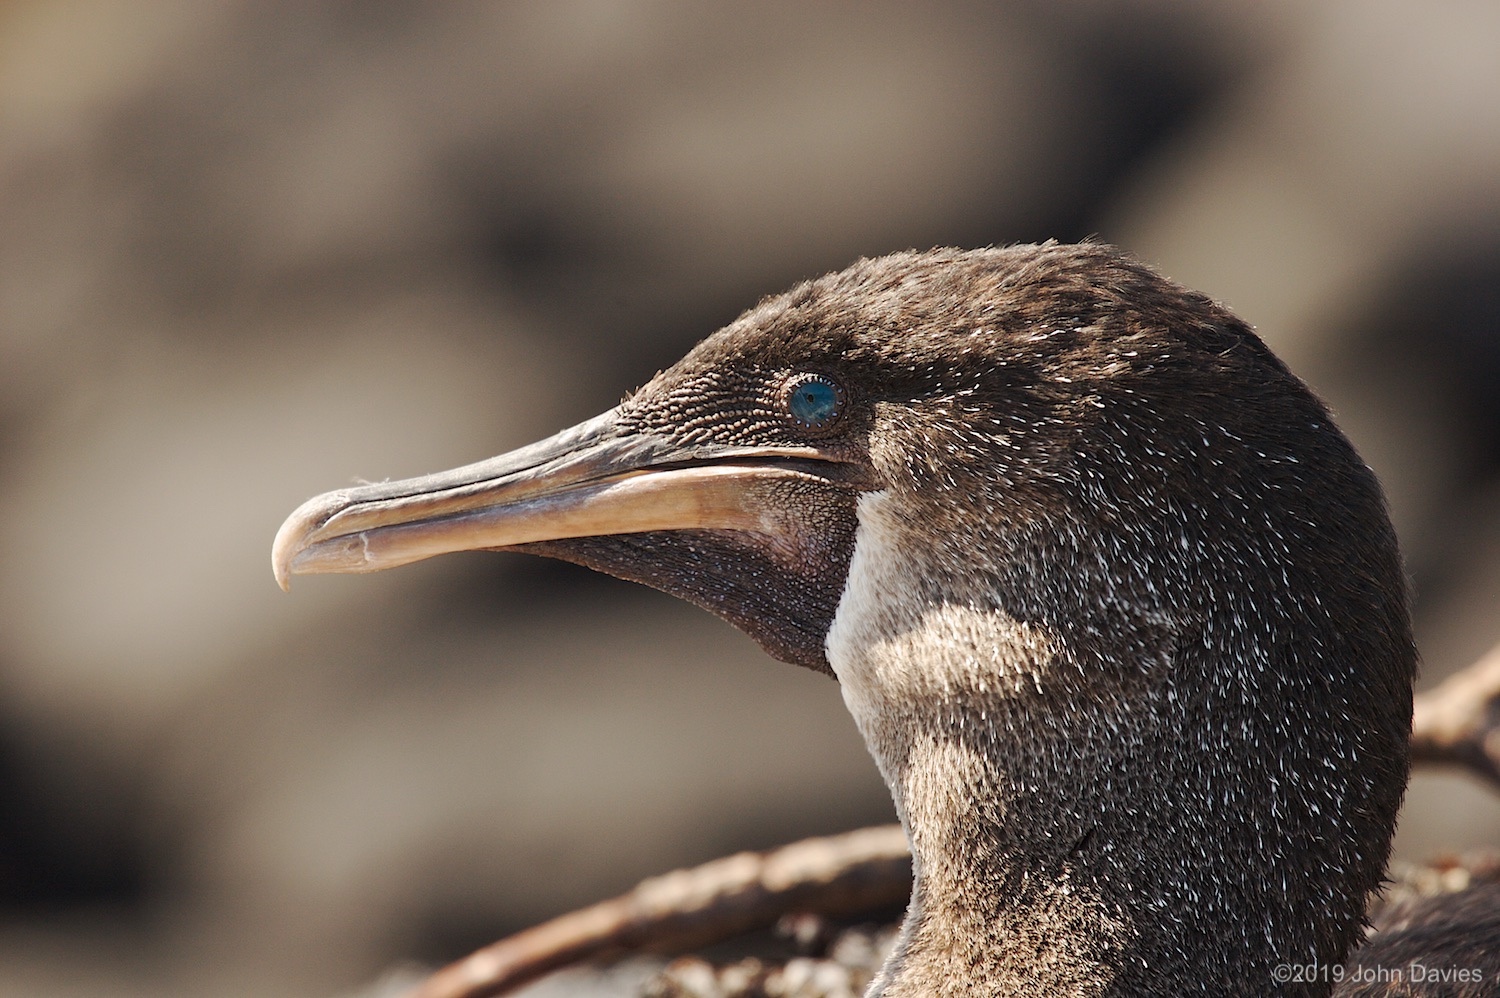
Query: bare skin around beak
pixel 592 480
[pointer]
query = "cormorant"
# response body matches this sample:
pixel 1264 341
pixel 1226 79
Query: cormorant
pixel 1117 608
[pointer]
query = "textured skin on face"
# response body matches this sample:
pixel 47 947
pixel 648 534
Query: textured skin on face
pixel 1132 628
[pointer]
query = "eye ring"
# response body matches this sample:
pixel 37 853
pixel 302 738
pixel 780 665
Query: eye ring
pixel 814 402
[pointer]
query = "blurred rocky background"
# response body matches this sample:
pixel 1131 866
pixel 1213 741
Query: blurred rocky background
pixel 254 251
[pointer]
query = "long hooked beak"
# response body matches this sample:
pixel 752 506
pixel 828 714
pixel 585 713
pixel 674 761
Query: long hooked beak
pixel 591 480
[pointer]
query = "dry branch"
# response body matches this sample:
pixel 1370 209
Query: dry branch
pixel 839 875
pixel 1458 721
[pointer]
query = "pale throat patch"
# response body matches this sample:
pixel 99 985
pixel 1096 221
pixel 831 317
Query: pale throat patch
pixel 892 645
pixel 912 664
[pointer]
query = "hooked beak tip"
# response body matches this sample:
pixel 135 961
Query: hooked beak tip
pixel 297 532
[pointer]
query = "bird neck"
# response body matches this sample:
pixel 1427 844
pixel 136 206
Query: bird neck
pixel 1006 897
pixel 1038 872
pixel 1084 821
pixel 991 912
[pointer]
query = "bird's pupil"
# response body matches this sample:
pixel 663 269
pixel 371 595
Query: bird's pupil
pixel 814 402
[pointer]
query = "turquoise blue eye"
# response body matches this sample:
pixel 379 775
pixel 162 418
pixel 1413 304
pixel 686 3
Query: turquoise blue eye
pixel 814 401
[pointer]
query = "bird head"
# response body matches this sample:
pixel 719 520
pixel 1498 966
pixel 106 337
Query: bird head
pixel 1107 592
pixel 1052 426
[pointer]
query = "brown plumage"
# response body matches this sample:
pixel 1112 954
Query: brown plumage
pixel 1117 608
